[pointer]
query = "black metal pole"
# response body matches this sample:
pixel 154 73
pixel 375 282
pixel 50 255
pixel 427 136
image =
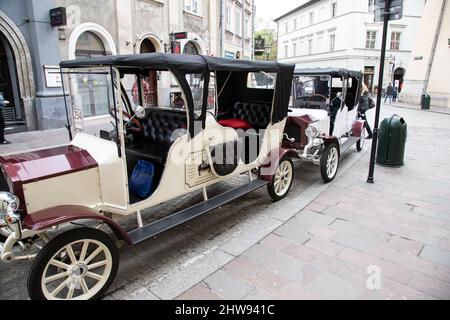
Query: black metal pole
pixel 380 88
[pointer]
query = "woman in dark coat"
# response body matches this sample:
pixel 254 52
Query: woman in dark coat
pixel 365 103
pixel 3 103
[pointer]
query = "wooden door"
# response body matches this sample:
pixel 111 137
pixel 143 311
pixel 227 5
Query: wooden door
pixel 150 83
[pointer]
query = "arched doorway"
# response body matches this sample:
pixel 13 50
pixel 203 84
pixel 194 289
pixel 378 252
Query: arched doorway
pixel 93 89
pixel 17 77
pixel 190 48
pixel 150 83
pixel 193 79
pixel 399 78
pixel 96 29
pixel 9 89
pixel 89 45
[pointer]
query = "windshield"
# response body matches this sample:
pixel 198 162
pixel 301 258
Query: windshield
pixel 261 80
pixel 312 92
pixel 91 105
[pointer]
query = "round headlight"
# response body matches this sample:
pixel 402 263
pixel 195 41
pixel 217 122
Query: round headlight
pixel 9 203
pixel 311 132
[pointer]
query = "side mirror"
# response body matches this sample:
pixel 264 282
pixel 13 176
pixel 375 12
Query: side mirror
pixel 139 112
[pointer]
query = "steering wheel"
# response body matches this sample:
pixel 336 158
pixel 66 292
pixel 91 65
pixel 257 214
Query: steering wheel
pixel 319 95
pixel 133 123
pixel 130 122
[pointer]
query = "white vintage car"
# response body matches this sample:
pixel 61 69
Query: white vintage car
pixel 322 120
pixel 210 123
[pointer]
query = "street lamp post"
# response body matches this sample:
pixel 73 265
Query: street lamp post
pixel 385 15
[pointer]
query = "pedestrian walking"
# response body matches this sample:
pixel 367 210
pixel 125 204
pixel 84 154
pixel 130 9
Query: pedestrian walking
pixel 3 103
pixel 365 103
pixel 299 89
pixel 389 93
pixel 395 94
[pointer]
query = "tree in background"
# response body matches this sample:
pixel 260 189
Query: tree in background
pixel 270 40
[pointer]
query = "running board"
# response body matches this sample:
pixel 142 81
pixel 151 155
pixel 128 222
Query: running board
pixel 161 225
pixel 348 143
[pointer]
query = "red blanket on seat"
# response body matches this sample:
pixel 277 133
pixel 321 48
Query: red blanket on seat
pixel 235 123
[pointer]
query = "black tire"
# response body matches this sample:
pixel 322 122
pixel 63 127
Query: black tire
pixel 271 185
pixel 324 159
pixel 39 265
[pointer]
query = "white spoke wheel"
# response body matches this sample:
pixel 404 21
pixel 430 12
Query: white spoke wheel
pixel 281 182
pixel 78 264
pixel 329 162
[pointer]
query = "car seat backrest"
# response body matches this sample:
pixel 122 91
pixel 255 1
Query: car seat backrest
pixel 258 114
pixel 160 124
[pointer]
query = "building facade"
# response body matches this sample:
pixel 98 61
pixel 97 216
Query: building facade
pixel 429 62
pixel 31 49
pixel 238 28
pixel 342 33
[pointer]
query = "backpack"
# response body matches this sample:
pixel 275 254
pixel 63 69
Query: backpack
pixel 141 181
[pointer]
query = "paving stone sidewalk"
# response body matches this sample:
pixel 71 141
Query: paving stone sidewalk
pixel 353 232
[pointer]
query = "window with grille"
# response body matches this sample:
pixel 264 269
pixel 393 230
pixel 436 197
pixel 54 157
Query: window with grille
pixel 332 42
pixel 333 9
pixel 371 38
pixel 395 41
pixel 192 6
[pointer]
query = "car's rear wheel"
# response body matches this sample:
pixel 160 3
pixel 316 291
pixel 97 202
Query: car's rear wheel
pixel 77 264
pixel 281 182
pixel 329 162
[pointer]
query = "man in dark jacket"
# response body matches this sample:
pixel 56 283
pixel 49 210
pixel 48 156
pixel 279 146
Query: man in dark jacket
pixel 365 103
pixel 389 93
pixel 3 103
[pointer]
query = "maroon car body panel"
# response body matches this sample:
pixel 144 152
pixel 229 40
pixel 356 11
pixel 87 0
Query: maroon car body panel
pixel 48 163
pixel 38 165
pixel 47 218
pixel 302 122
pixel 267 169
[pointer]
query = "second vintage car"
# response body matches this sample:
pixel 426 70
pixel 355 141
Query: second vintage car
pixel 322 120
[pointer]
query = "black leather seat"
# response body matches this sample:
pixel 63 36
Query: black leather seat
pixel 258 114
pixel 154 142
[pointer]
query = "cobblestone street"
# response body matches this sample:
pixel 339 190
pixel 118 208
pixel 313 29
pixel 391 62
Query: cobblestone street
pixel 317 243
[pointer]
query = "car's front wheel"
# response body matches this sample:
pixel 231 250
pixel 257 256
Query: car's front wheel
pixel 329 162
pixel 281 182
pixel 77 264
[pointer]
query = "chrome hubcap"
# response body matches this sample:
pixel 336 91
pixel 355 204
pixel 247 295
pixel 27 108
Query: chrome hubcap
pixel 283 177
pixel 332 162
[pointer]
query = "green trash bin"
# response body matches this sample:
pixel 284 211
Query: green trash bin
pixel 392 141
pixel 425 101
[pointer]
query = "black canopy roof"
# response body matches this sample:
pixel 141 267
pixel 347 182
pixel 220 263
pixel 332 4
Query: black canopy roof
pixel 328 71
pixel 166 61
pixel 180 65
